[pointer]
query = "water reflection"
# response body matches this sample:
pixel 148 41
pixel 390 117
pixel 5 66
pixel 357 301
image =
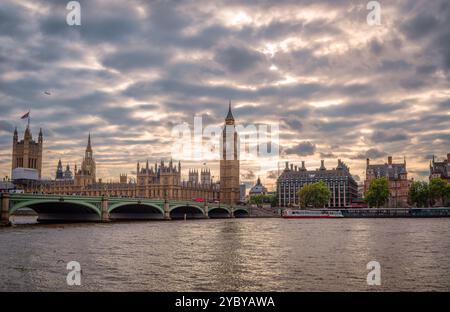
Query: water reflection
pixel 229 255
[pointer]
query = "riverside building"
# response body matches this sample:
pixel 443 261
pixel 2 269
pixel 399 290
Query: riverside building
pixel 343 187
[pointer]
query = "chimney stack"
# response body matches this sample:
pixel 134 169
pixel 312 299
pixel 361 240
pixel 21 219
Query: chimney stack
pixel 322 164
pixel 367 162
pixel 390 160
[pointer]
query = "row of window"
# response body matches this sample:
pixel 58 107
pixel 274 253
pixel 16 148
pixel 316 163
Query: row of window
pixel 32 162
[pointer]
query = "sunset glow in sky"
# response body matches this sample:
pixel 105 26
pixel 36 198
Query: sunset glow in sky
pixel 338 87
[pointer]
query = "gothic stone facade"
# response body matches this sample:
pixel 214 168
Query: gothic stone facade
pixel 229 162
pixel 27 153
pixel 160 181
pixel 163 181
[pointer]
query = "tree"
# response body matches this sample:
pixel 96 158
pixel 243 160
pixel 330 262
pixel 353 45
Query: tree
pixel 256 199
pixel 378 192
pixel 316 195
pixel 419 194
pixel 438 190
pixel 447 193
pixel 273 200
pixel 263 199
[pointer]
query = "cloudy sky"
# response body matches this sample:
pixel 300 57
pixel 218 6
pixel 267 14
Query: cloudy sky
pixel 338 87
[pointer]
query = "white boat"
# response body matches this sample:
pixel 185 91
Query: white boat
pixel 313 214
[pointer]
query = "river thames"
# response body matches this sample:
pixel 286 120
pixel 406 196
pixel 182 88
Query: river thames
pixel 228 255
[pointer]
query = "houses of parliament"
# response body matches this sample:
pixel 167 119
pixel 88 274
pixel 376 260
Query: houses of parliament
pixel 161 180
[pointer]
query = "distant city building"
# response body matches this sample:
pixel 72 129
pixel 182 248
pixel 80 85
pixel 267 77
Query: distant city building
pixel 242 192
pixel 61 174
pixel 440 169
pixel 123 178
pixel 339 180
pixel 27 153
pixel 193 176
pixel 68 175
pixel 397 176
pixel 205 176
pixel 86 174
pixel 360 190
pixel 258 189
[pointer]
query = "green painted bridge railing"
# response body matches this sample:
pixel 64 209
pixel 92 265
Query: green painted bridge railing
pixel 103 207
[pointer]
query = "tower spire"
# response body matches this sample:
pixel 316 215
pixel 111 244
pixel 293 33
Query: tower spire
pixel 229 118
pixel 89 142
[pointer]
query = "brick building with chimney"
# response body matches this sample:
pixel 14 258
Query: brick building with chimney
pixel 440 169
pixel 397 176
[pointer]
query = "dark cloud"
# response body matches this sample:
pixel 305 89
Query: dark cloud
pixel 327 155
pixel 126 60
pixel 238 59
pixel 272 174
pixel 6 126
pixel 371 153
pixel 249 175
pixel 361 108
pixel 388 136
pixel 293 123
pixel 302 149
pixel 420 26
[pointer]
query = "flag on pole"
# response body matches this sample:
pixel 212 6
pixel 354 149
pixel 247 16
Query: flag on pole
pixel 27 115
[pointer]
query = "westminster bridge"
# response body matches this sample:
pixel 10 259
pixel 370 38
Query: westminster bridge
pixel 104 209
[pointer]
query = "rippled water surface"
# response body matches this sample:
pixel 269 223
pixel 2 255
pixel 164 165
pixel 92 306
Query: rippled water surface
pixel 228 255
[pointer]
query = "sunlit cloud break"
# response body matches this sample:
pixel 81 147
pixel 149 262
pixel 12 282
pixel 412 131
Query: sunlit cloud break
pixel 337 84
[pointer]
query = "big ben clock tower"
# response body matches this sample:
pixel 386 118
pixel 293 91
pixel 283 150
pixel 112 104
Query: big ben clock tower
pixel 229 162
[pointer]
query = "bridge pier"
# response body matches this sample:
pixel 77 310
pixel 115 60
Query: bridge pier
pixel 105 212
pixel 205 208
pixel 166 210
pixel 4 207
pixel 231 212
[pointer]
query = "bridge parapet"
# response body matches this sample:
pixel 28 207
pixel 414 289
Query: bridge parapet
pixel 104 206
pixel 4 208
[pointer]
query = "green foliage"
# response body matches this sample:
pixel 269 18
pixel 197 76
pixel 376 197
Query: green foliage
pixel 378 192
pixel 263 199
pixel 438 190
pixel 447 194
pixel 419 194
pixel 273 200
pixel 316 195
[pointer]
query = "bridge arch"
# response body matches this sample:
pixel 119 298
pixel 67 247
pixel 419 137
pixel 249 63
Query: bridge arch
pixel 219 212
pixel 190 211
pixel 60 210
pixel 241 213
pixel 135 211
